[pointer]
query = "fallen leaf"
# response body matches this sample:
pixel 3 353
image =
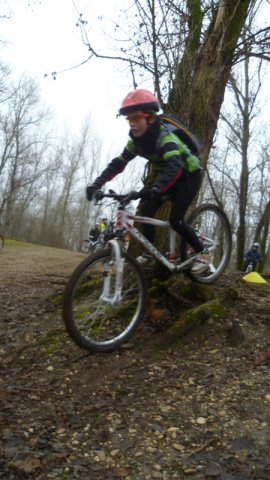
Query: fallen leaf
pixel 28 465
pixel 263 357
pixel 155 313
pixel 121 473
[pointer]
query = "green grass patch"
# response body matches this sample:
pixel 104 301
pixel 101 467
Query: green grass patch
pixel 20 244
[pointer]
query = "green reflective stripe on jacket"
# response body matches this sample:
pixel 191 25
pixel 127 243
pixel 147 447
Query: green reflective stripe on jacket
pixel 171 137
pixel 191 162
pixel 169 146
pixel 130 147
pixel 170 154
pixel 129 152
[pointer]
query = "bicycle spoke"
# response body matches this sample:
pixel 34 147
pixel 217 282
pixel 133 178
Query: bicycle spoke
pixel 213 229
pixel 93 319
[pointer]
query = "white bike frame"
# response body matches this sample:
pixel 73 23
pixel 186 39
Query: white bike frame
pixel 106 295
pixel 125 221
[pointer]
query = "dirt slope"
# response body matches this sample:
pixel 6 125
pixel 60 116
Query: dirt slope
pixel 198 411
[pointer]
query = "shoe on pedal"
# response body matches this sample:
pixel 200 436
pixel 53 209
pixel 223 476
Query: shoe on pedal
pixel 201 263
pixel 146 260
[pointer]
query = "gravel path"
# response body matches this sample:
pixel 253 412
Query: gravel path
pixel 199 411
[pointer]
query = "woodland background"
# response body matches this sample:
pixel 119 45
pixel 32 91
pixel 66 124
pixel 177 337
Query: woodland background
pixel 208 63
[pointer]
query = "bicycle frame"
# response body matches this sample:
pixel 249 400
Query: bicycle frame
pixel 106 297
pixel 125 222
pixel 124 219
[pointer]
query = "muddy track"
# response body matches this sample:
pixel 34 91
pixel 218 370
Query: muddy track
pixel 197 411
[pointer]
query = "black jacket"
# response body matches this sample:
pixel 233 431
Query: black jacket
pixel 166 153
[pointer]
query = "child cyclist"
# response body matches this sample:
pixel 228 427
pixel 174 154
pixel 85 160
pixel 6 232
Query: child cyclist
pixel 178 171
pixel 253 256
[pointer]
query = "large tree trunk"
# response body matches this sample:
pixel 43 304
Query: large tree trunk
pixel 203 74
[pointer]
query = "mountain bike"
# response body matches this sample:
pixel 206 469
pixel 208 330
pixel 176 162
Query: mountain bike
pixel 90 245
pixel 250 267
pixel 105 297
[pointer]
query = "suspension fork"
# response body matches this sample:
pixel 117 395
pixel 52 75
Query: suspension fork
pixel 172 240
pixel 109 296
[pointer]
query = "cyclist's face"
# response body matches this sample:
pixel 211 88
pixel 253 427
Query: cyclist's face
pixel 139 122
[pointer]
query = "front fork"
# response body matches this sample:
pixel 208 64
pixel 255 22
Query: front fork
pixel 113 293
pixel 172 240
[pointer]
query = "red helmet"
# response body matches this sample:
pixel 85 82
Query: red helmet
pixel 139 99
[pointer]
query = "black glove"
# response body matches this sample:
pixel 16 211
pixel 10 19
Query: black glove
pixel 154 192
pixel 91 190
pixel 98 195
pixel 132 196
pixel 147 193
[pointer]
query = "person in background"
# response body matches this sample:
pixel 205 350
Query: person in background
pixel 110 228
pixel 176 169
pixel 103 224
pixel 252 256
pixel 95 232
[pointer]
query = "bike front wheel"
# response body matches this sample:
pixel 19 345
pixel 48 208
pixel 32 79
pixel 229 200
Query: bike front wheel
pixel 213 228
pixel 94 318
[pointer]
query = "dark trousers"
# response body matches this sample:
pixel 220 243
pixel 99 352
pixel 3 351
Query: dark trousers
pixel 183 192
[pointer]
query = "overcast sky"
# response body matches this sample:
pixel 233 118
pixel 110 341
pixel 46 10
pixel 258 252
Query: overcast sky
pixel 44 38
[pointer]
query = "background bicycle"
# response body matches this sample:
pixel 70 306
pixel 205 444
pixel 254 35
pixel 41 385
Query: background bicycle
pixel 249 267
pixel 90 245
pixel 105 297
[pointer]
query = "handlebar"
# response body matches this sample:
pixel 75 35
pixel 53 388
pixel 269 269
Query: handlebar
pixel 124 198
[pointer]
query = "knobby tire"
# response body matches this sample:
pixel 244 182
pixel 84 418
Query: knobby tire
pixel 95 324
pixel 213 223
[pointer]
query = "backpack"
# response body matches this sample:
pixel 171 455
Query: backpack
pixel 174 125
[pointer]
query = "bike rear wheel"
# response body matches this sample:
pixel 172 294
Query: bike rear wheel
pixel 2 242
pixel 97 324
pixel 215 232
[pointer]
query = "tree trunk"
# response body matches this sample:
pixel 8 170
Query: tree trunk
pixel 203 74
pixel 244 178
pixel 200 83
pixel 261 235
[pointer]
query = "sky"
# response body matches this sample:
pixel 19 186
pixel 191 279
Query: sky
pixel 43 38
